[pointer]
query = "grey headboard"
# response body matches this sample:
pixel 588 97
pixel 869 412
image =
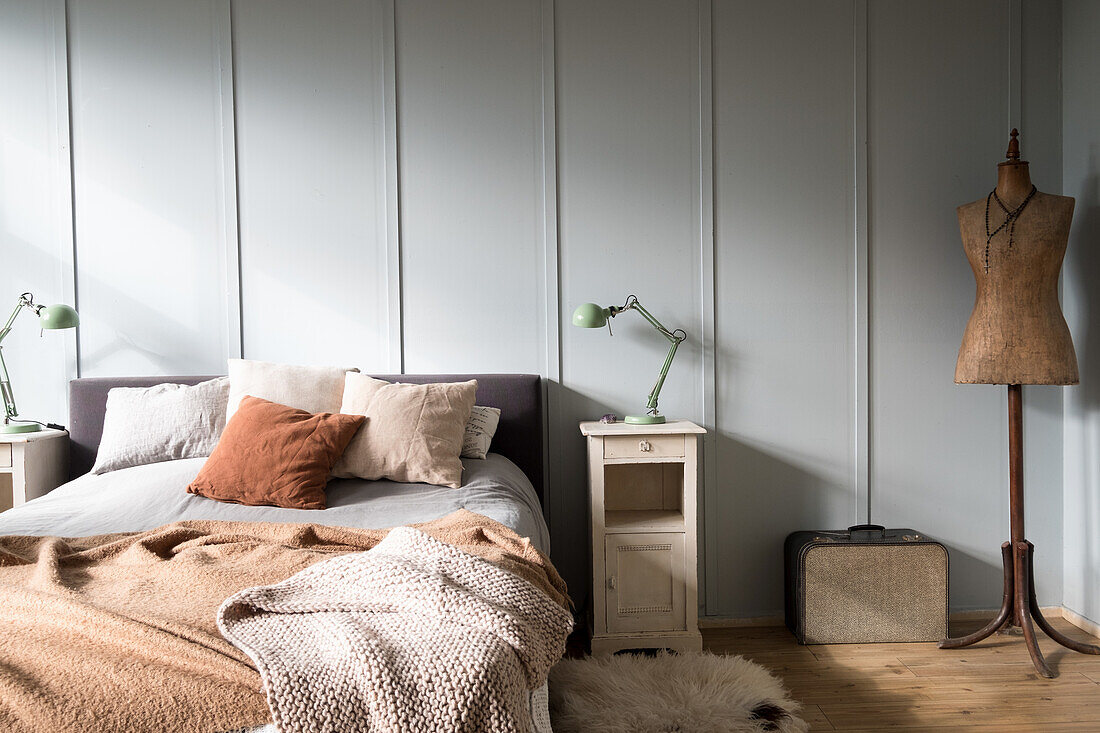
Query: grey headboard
pixel 519 436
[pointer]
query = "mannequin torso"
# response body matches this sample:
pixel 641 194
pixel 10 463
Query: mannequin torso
pixel 1017 334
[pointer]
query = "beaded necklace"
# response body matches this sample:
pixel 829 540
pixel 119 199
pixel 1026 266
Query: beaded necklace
pixel 1010 220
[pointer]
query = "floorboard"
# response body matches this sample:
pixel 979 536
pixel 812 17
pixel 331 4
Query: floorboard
pixel 911 688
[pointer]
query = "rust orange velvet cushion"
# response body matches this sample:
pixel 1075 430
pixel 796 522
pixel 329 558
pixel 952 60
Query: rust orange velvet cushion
pixel 274 455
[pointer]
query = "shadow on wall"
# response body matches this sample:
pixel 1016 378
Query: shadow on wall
pixel 1083 265
pixel 968 570
pixel 761 497
pixel 570 539
pixel 1084 259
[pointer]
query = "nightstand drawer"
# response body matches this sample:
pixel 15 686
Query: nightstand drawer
pixel 643 446
pixel 5 455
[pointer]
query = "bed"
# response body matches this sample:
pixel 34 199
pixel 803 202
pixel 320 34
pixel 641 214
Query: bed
pixel 506 487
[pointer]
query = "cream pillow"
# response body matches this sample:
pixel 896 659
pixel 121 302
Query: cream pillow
pixel 310 388
pixel 413 432
pixel 165 422
pixel 480 429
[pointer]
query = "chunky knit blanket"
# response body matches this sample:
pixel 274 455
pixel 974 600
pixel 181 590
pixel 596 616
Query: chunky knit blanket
pixel 412 635
pixel 118 633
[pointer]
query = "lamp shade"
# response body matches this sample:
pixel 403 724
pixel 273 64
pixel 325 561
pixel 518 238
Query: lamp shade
pixel 590 315
pixel 58 316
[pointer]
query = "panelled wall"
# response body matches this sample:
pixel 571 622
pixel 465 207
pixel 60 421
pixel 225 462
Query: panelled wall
pixel 434 186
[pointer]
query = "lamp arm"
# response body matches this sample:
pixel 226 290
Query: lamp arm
pixel 10 410
pixel 633 304
pixel 26 300
pixel 676 337
pixel 651 403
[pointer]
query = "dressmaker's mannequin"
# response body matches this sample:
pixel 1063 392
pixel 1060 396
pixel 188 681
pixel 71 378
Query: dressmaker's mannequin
pixel 1015 239
pixel 1016 334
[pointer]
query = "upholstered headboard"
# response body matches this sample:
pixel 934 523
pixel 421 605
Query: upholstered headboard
pixel 519 436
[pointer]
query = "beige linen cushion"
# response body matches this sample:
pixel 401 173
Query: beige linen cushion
pixel 165 422
pixel 310 388
pixel 413 432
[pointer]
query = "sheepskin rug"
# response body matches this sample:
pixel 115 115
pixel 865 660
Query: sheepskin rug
pixel 669 693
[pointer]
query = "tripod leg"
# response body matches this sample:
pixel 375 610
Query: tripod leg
pixel 1023 575
pixel 1004 616
pixel 1042 623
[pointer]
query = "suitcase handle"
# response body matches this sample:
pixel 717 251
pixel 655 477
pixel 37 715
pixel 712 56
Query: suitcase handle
pixel 867 532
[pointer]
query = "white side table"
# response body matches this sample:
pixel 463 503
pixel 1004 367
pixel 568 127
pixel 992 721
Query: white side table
pixel 32 464
pixel 643 484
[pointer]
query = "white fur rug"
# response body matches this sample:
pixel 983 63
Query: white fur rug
pixel 669 693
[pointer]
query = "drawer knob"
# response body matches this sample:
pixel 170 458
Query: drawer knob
pixel 611 582
pixel 644 446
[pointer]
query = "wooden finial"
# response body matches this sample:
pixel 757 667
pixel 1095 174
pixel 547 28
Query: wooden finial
pixel 1013 146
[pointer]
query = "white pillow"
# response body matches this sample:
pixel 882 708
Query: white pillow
pixel 480 429
pixel 310 388
pixel 165 422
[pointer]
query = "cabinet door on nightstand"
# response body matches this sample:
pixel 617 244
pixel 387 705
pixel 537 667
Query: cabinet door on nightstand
pixel 645 582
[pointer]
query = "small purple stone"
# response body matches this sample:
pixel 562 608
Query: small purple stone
pixel 609 418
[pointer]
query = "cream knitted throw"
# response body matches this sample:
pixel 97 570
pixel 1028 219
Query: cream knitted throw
pixel 412 635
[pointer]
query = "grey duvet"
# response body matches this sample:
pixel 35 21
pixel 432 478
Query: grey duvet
pixel 144 497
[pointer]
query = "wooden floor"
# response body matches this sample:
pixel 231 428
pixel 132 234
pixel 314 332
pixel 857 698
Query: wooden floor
pixel 918 687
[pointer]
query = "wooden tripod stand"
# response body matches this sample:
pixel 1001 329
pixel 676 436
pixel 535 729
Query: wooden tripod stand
pixel 1019 607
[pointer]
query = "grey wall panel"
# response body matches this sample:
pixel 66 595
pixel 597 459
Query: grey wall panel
pixel 940 450
pixel 1081 148
pixel 469 90
pixel 628 168
pixel 311 152
pixel 783 121
pixel 35 215
pixel 150 191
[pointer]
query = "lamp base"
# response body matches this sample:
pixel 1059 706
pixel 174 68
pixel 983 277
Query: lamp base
pixel 19 427
pixel 645 419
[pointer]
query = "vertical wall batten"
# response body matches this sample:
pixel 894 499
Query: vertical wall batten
pixel 395 313
pixel 66 181
pixel 1015 62
pixel 230 212
pixel 861 283
pixel 707 306
pixel 550 285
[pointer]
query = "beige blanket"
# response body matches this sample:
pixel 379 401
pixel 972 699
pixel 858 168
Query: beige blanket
pixel 413 636
pixel 118 632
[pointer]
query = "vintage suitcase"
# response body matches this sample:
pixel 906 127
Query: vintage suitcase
pixel 864 585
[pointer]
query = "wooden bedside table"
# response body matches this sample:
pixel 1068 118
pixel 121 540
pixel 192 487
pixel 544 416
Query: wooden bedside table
pixel 31 465
pixel 643 481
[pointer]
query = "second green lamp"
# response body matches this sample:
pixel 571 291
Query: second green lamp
pixel 591 315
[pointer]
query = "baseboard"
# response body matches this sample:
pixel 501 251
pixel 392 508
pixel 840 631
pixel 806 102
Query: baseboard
pixel 986 613
pixel 1089 627
pixel 722 622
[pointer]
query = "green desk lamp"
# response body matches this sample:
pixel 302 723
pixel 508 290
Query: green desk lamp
pixel 53 317
pixel 591 315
